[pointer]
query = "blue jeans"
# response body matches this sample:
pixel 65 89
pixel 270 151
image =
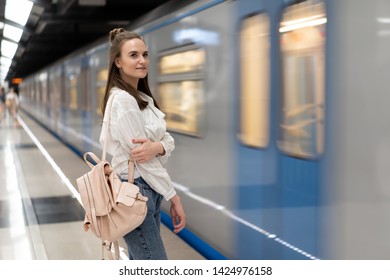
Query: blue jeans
pixel 145 242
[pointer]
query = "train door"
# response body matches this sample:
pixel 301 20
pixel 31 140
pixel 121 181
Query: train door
pixel 280 126
pixel 258 197
pixel 300 126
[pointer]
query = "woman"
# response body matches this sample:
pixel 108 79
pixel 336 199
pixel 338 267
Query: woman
pixel 137 129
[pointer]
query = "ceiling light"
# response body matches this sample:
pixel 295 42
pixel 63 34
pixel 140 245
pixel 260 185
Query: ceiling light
pixel 5 61
pixel 4 68
pixel 18 10
pixel 8 48
pixel 12 32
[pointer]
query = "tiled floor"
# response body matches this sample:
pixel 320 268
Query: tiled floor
pixel 40 215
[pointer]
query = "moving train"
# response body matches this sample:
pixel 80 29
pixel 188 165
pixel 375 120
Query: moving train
pixel 279 110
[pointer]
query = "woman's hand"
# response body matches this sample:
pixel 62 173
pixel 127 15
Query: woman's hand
pixel 177 214
pixel 147 150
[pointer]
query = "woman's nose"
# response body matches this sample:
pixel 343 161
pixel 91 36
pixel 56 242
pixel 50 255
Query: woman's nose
pixel 142 59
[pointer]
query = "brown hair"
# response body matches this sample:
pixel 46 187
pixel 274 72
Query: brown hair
pixel 117 37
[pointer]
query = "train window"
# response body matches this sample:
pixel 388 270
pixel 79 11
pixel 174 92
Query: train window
pixel 302 42
pixel 33 92
pixel 37 91
pixel 181 62
pixel 101 78
pixel 84 89
pixel 181 93
pixel 254 81
pixel 181 102
pixel 42 84
pixel 55 89
pixel 73 82
pixel 63 92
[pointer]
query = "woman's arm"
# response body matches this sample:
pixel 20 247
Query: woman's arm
pixel 147 151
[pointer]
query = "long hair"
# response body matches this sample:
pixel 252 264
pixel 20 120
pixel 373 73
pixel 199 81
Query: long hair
pixel 117 37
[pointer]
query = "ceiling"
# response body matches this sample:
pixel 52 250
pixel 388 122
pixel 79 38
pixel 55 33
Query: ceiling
pixel 55 28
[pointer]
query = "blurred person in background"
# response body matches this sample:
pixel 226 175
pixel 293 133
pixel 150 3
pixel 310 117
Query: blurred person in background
pixel 2 103
pixel 12 103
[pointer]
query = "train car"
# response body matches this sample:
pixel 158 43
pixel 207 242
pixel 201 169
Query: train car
pixel 279 112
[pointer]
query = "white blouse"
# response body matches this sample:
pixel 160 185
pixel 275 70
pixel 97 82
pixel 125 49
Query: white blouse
pixel 128 122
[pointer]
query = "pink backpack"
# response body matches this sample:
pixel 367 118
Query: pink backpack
pixel 112 208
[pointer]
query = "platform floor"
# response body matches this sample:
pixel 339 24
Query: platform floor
pixel 40 215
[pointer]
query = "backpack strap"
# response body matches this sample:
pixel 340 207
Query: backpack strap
pixel 130 161
pixel 107 246
pixel 109 105
pixel 91 159
pixel 130 177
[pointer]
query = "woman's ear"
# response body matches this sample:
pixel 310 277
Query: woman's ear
pixel 117 63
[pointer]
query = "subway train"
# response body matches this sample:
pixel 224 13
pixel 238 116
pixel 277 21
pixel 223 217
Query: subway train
pixel 280 114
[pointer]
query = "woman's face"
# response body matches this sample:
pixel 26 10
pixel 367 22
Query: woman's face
pixel 133 61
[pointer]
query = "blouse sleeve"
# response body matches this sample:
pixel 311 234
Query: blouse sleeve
pixel 169 145
pixel 130 126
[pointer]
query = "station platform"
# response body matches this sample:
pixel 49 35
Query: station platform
pixel 41 217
